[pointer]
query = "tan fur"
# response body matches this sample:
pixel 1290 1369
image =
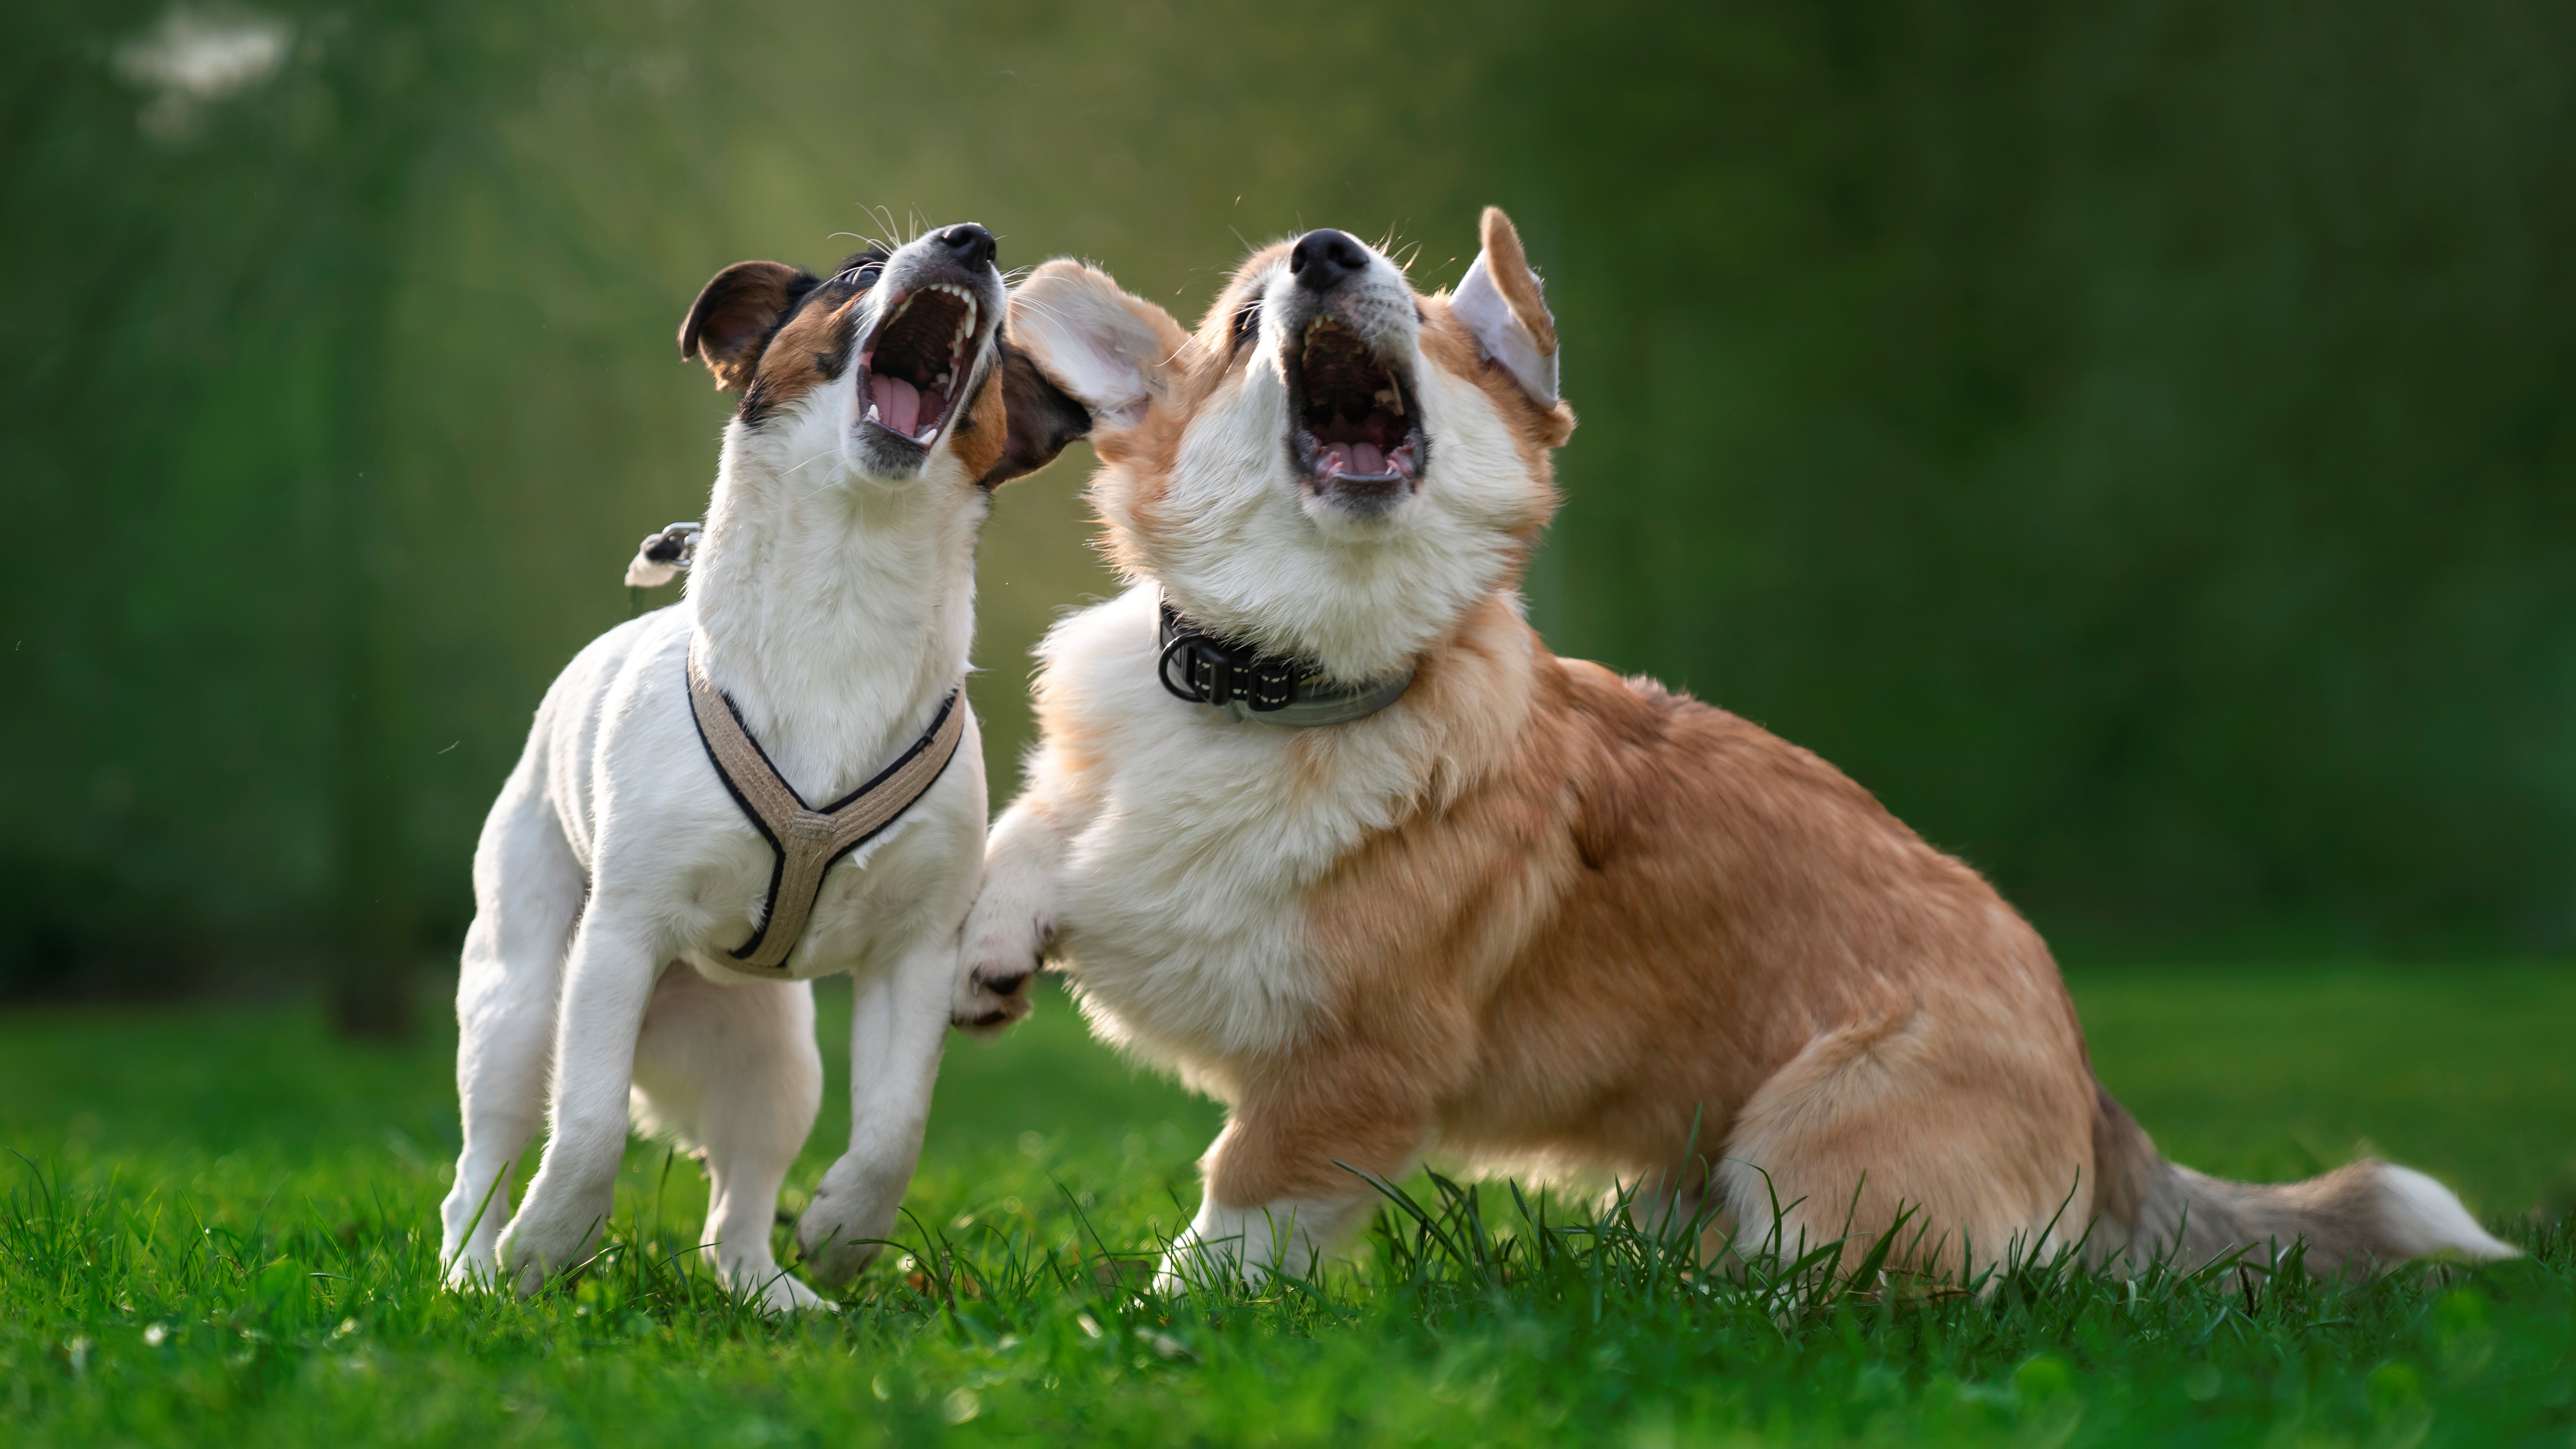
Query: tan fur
pixel 1634 917
pixel 1197 366
pixel 1512 274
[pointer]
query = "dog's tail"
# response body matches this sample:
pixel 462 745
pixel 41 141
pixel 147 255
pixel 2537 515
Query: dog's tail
pixel 2370 1214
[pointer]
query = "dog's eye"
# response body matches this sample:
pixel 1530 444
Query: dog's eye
pixel 1247 320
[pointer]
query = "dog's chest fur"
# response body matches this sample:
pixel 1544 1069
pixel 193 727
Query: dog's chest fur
pixel 619 719
pixel 1180 906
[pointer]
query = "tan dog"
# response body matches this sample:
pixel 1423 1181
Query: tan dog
pixel 1529 914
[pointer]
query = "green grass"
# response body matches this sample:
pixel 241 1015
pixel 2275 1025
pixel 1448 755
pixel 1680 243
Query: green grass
pixel 223 1230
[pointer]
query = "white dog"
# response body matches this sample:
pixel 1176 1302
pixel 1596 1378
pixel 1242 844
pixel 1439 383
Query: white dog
pixel 624 895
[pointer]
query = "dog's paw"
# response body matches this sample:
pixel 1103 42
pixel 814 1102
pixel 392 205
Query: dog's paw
pixel 783 1295
pixel 543 1240
pixel 993 978
pixel 472 1272
pixel 772 1287
pixel 843 1229
pixel 991 995
pixel 525 1267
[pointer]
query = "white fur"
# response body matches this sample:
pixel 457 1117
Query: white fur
pixel 1290 1235
pixel 836 609
pixel 1165 867
pixel 2425 1217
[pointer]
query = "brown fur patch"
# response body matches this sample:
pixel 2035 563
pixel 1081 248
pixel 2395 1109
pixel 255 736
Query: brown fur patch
pixel 812 349
pixel 979 438
pixel 1638 917
pixel 1514 279
pixel 1039 419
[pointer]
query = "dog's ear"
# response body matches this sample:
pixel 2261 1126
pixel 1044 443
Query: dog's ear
pixel 1042 419
pixel 1101 347
pixel 1500 302
pixel 736 311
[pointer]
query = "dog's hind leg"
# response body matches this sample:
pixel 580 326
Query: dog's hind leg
pixel 1969 1142
pixel 528 893
pixel 732 1072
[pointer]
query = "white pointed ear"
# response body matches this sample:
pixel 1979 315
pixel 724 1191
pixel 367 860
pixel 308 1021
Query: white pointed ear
pixel 1106 349
pixel 1500 302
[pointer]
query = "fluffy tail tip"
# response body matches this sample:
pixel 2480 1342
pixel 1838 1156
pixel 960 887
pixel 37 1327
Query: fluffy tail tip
pixel 2425 1218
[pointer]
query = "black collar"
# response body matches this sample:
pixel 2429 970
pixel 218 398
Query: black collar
pixel 1248 684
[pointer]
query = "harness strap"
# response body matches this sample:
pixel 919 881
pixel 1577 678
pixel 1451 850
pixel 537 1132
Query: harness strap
pixel 807 841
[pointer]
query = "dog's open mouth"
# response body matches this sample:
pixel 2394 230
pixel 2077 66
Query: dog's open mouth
pixel 912 369
pixel 1356 430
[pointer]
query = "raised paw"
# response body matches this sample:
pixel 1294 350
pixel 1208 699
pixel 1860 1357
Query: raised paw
pixel 993 993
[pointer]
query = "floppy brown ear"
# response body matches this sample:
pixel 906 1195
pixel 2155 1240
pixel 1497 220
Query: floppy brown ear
pixel 1042 419
pixel 735 312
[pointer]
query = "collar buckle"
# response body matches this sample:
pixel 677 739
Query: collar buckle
pixel 1248 684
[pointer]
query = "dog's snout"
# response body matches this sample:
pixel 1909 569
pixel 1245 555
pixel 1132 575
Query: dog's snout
pixel 1323 260
pixel 971 245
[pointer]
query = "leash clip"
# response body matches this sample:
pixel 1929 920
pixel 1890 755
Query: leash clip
pixel 664 556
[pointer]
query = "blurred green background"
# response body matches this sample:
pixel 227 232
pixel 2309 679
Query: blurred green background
pixel 2131 438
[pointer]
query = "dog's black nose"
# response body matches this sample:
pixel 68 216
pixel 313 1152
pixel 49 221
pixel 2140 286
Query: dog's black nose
pixel 1323 260
pixel 971 245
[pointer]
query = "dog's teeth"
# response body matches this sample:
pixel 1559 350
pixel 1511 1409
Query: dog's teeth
pixel 928 436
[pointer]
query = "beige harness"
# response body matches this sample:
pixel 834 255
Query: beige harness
pixel 807 841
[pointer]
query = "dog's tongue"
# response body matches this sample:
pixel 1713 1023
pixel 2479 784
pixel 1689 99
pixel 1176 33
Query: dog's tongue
pixel 898 403
pixel 1367 460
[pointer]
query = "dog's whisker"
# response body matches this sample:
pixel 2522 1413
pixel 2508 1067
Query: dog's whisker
pixel 810 459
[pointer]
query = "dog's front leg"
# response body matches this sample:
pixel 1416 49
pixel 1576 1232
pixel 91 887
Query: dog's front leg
pixel 1281 1187
pixel 1006 934
pixel 898 1027
pixel 608 980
